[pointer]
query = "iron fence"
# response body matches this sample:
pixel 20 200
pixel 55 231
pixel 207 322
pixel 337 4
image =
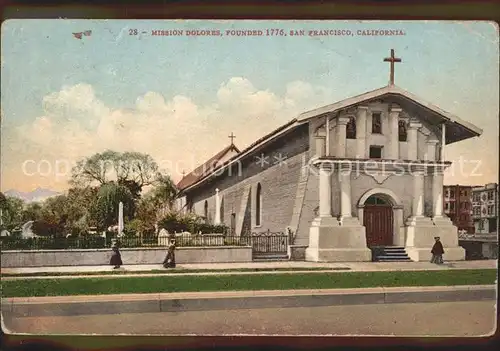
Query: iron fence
pixel 98 242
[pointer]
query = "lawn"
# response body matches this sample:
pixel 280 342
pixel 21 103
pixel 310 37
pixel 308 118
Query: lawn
pixel 273 281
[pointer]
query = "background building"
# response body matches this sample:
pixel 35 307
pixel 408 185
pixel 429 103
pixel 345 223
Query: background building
pixel 485 208
pixel 458 206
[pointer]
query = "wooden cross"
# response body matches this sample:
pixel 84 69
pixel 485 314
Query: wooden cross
pixel 231 137
pixel 183 174
pixel 392 59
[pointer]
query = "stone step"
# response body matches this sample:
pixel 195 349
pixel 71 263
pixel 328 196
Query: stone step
pixel 390 254
pixel 263 259
pixel 394 253
pixel 398 259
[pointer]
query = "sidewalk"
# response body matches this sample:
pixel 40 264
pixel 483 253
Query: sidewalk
pixel 221 268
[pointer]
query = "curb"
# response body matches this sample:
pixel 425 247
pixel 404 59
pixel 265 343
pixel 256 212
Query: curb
pixel 210 301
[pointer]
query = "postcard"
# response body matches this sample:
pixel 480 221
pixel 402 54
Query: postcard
pixel 238 177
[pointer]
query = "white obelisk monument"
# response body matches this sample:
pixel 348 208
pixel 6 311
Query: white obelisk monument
pixel 120 219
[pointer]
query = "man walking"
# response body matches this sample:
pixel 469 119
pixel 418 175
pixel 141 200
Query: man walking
pixel 437 251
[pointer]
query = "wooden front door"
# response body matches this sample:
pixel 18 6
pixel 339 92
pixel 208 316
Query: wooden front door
pixel 378 221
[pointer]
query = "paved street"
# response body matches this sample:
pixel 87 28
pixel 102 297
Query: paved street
pixel 411 319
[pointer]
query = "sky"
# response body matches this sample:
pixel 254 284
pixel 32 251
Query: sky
pixel 178 98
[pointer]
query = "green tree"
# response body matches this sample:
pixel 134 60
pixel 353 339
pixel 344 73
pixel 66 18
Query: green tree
pixel 3 201
pixel 133 170
pixel 32 212
pixel 105 209
pixel 12 212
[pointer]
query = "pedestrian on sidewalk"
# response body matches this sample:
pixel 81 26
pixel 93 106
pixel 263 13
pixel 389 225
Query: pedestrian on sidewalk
pixel 116 257
pixel 437 251
pixel 169 261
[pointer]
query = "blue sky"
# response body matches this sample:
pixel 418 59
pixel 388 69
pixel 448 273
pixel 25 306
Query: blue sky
pixel 453 65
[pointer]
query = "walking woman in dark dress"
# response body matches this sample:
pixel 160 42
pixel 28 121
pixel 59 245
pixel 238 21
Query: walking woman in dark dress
pixel 116 257
pixel 437 251
pixel 169 261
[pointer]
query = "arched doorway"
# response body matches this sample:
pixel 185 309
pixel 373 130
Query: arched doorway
pixel 378 219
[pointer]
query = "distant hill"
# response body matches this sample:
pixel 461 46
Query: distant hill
pixel 39 194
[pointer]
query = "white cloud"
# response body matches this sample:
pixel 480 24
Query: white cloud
pixel 76 124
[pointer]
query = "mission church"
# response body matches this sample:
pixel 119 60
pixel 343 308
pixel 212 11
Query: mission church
pixel 362 173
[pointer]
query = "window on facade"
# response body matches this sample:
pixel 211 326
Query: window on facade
pixel 351 128
pixel 222 210
pixel 492 225
pixel 490 210
pixel 376 123
pixel 481 225
pixel 403 135
pixel 452 206
pixel 461 193
pixel 205 211
pixel 490 195
pixel 375 151
pixel 447 206
pixel 258 205
pixel 452 194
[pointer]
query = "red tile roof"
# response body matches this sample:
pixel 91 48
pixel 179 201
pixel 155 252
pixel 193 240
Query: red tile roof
pixel 205 168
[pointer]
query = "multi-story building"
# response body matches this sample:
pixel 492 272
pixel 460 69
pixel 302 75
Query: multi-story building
pixel 485 208
pixel 458 206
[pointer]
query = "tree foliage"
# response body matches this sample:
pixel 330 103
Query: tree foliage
pixel 134 170
pixel 105 209
pixel 12 212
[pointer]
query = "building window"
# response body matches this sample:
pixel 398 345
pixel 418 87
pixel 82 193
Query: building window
pixel 376 123
pixel 351 128
pixel 452 194
pixel 492 225
pixel 452 206
pixel 490 195
pixel 403 135
pixel 375 151
pixel 447 206
pixel 222 210
pixel 481 225
pixel 258 205
pixel 205 211
pixel 490 210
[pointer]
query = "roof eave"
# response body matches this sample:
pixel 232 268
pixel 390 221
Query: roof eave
pixel 266 139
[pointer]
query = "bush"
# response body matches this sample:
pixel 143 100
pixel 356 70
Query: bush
pixel 175 222
pixel 46 229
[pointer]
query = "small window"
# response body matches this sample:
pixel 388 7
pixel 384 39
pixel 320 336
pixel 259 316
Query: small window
pixel 351 128
pixel 375 151
pixel 452 206
pixel 205 211
pixel 490 195
pixel 452 194
pixel 403 135
pixel 376 123
pixel 258 205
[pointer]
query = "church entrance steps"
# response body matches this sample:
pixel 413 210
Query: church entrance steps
pixel 389 254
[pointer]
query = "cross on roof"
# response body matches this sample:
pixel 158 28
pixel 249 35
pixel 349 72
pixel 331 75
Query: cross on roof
pixel 183 173
pixel 231 137
pixel 392 59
